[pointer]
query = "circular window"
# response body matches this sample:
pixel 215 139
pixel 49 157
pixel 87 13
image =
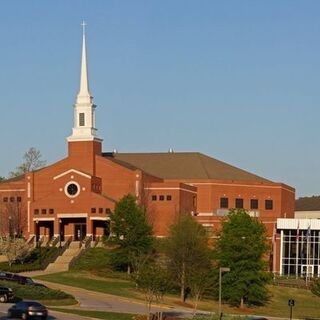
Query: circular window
pixel 72 189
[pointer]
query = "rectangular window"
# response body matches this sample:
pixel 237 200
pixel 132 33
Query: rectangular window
pixel 254 203
pixel 224 203
pixel 19 199
pixel 108 211
pixel 11 199
pixel 239 203
pixel 43 211
pixel 81 120
pixel 5 199
pixel 36 211
pixel 93 210
pixel 51 211
pixel 161 198
pixel 169 198
pixel 154 198
pixel 100 210
pixel 269 204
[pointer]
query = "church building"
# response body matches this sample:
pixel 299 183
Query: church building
pixel 73 197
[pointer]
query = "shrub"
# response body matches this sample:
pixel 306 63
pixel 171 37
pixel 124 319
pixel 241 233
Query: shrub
pixel 315 288
pixel 35 293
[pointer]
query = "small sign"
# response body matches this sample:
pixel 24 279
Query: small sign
pixel 291 303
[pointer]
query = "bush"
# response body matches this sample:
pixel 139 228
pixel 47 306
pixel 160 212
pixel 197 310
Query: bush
pixel 315 288
pixel 35 293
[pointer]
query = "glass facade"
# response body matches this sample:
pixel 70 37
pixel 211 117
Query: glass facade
pixel 300 253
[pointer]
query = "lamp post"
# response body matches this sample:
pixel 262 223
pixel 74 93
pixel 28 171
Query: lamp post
pixel 221 269
pixel 38 244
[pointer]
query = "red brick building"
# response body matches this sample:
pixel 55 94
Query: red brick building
pixel 73 197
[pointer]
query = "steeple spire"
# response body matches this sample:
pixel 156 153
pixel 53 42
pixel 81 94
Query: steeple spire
pixel 84 110
pixel 84 93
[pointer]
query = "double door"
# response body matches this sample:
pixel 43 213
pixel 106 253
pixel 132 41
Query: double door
pixel 80 231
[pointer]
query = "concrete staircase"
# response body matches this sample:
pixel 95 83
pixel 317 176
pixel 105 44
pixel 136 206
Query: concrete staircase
pixel 64 261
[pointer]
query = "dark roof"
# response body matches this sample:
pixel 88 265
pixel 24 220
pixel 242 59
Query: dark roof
pixel 308 203
pixel 183 165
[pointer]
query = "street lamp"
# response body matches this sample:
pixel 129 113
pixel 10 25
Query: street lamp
pixel 221 269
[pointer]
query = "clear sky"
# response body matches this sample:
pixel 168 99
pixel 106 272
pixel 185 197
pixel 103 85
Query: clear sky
pixel 237 80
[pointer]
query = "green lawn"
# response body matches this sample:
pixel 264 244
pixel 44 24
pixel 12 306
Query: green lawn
pixel 85 280
pixel 307 305
pixel 97 314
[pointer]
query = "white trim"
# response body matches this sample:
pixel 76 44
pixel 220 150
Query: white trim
pixel 238 184
pixel 12 190
pixel 207 224
pixel 72 215
pixel 43 219
pixel 170 188
pixel 69 171
pixel 292 224
pixel 66 189
pixel 100 218
pixel 204 214
pixel 281 251
pixel 29 190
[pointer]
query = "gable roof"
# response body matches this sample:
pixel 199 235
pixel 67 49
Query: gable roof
pixel 183 165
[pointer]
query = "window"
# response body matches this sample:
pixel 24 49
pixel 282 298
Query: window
pixel 81 120
pixel 224 203
pixel 5 199
pixel 169 197
pixel 100 210
pixel 269 204
pixel 19 199
pixel 254 204
pixel 11 199
pixel 161 198
pixel 36 211
pixel 51 211
pixel 43 211
pixel 239 203
pixel 154 198
pixel 93 210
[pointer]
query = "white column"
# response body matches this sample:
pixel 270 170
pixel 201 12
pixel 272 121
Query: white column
pixel 281 251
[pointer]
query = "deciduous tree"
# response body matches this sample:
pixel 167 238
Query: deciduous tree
pixel 241 247
pixel 130 232
pixel 31 161
pixel 187 251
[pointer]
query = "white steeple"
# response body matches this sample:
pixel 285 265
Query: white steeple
pixel 84 110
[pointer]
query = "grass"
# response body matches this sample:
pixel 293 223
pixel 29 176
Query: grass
pixel 97 314
pixel 85 280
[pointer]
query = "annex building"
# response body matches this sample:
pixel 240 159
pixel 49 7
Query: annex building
pixel 73 197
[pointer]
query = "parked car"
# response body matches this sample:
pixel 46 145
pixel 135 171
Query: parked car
pixel 28 310
pixel 19 279
pixel 6 294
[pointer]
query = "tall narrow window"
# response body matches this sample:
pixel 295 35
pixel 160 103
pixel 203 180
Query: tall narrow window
pixel 81 120
pixel 254 204
pixel 224 203
pixel 239 203
pixel 269 204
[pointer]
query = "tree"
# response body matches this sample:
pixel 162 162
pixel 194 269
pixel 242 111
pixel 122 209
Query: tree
pixel 15 249
pixel 188 252
pixel 153 281
pixel 31 161
pixel 2 179
pixel 130 232
pixel 241 247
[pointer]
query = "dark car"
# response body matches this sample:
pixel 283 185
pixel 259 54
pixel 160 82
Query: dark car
pixel 6 294
pixel 28 310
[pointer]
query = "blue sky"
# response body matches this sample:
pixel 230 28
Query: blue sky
pixel 237 80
